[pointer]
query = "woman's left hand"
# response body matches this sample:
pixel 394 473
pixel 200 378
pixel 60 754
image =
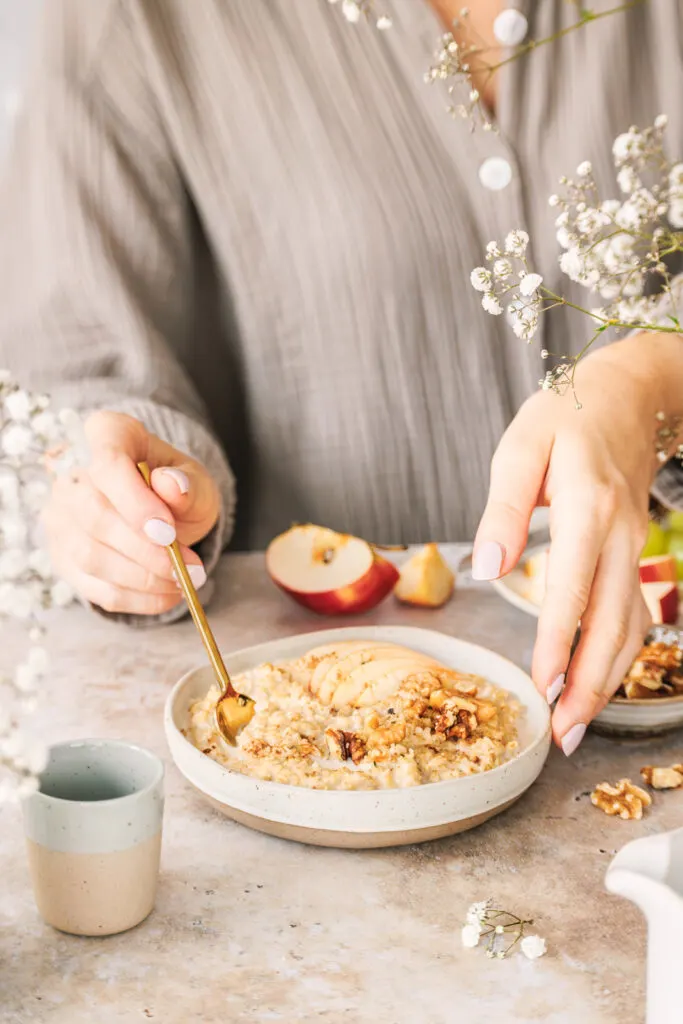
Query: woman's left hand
pixel 593 466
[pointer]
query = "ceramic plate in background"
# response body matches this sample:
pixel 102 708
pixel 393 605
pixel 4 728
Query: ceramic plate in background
pixel 516 586
pixel 366 818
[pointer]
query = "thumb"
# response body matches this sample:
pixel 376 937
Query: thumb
pixel 189 491
pixel 518 471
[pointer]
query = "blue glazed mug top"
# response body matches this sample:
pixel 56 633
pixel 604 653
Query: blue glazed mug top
pixel 96 796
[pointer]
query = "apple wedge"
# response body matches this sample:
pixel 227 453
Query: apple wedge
pixel 658 569
pixel 374 682
pixel 333 674
pixel 662 602
pixel 329 573
pixel 425 581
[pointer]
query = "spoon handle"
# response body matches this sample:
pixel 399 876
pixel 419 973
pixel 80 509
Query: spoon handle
pixel 193 603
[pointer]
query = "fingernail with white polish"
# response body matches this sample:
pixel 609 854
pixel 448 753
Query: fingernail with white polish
pixel 197 574
pixel 555 689
pixel 488 561
pixel 159 532
pixel 572 739
pixel 182 479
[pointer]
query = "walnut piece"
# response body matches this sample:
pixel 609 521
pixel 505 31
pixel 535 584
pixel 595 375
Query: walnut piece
pixel 345 745
pixel 656 672
pixel 663 778
pixel 624 799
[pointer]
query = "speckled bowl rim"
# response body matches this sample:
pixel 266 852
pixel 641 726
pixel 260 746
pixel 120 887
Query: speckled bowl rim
pixel 255 791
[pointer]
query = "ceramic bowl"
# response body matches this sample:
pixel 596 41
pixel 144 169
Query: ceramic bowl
pixel 641 718
pixel 364 819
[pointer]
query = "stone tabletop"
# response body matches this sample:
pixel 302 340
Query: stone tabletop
pixel 251 928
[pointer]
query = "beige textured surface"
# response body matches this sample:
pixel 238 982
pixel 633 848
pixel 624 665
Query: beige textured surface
pixel 255 929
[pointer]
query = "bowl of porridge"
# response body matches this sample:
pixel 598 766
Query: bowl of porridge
pixel 364 737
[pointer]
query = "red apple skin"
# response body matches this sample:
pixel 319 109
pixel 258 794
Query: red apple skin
pixel 361 596
pixel 667 606
pixel 659 569
pixel 670 607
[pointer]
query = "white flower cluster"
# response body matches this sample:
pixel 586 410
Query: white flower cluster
pixel 353 9
pixel 501 930
pixel 31 436
pixel 507 282
pixel 615 247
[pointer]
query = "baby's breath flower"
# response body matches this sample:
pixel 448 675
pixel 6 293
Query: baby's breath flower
pixel 470 935
pixel 502 269
pixel 627 146
pixel 478 911
pixel 18 405
pixel 491 304
pixel 61 594
pixel 499 931
pixel 661 121
pixel 533 946
pixel 480 279
pixel 584 169
pixel 516 242
pixel 554 200
pixel 383 23
pixel 351 10
pixel 530 284
pixel 16 440
pixel 28 431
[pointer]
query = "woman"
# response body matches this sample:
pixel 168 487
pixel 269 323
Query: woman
pixel 246 228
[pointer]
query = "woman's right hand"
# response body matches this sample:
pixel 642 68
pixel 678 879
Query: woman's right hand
pixel 107 529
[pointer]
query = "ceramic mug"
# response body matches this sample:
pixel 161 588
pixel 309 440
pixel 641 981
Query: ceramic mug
pixel 93 832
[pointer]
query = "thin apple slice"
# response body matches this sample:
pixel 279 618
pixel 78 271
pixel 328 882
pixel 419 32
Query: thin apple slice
pixel 662 602
pixel 375 681
pixel 329 573
pixel 331 657
pixel 328 655
pixel 426 580
pixel 341 673
pixel 658 569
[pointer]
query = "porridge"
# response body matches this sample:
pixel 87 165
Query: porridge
pixel 362 715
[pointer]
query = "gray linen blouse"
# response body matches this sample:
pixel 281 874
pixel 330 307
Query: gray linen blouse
pixel 252 225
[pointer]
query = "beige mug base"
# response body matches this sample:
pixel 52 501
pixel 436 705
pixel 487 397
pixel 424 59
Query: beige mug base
pixel 95 893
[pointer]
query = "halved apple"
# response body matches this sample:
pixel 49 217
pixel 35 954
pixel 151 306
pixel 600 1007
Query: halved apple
pixel 330 573
pixel 662 602
pixel 658 569
pixel 425 579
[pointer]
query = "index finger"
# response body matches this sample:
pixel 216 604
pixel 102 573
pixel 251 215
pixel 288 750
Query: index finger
pixel 577 540
pixel 117 444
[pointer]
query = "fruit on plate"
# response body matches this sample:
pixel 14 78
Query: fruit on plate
pixel 360 673
pixel 425 579
pixel 656 543
pixel 662 601
pixel 330 573
pixel 658 569
pixel 535 569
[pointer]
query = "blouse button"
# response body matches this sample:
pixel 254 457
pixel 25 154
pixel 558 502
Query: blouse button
pixel 495 173
pixel 510 27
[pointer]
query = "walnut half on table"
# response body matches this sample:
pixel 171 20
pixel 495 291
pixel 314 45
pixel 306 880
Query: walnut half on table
pixel 625 799
pixel 663 778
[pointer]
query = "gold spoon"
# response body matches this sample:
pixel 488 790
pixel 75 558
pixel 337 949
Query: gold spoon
pixel 233 710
